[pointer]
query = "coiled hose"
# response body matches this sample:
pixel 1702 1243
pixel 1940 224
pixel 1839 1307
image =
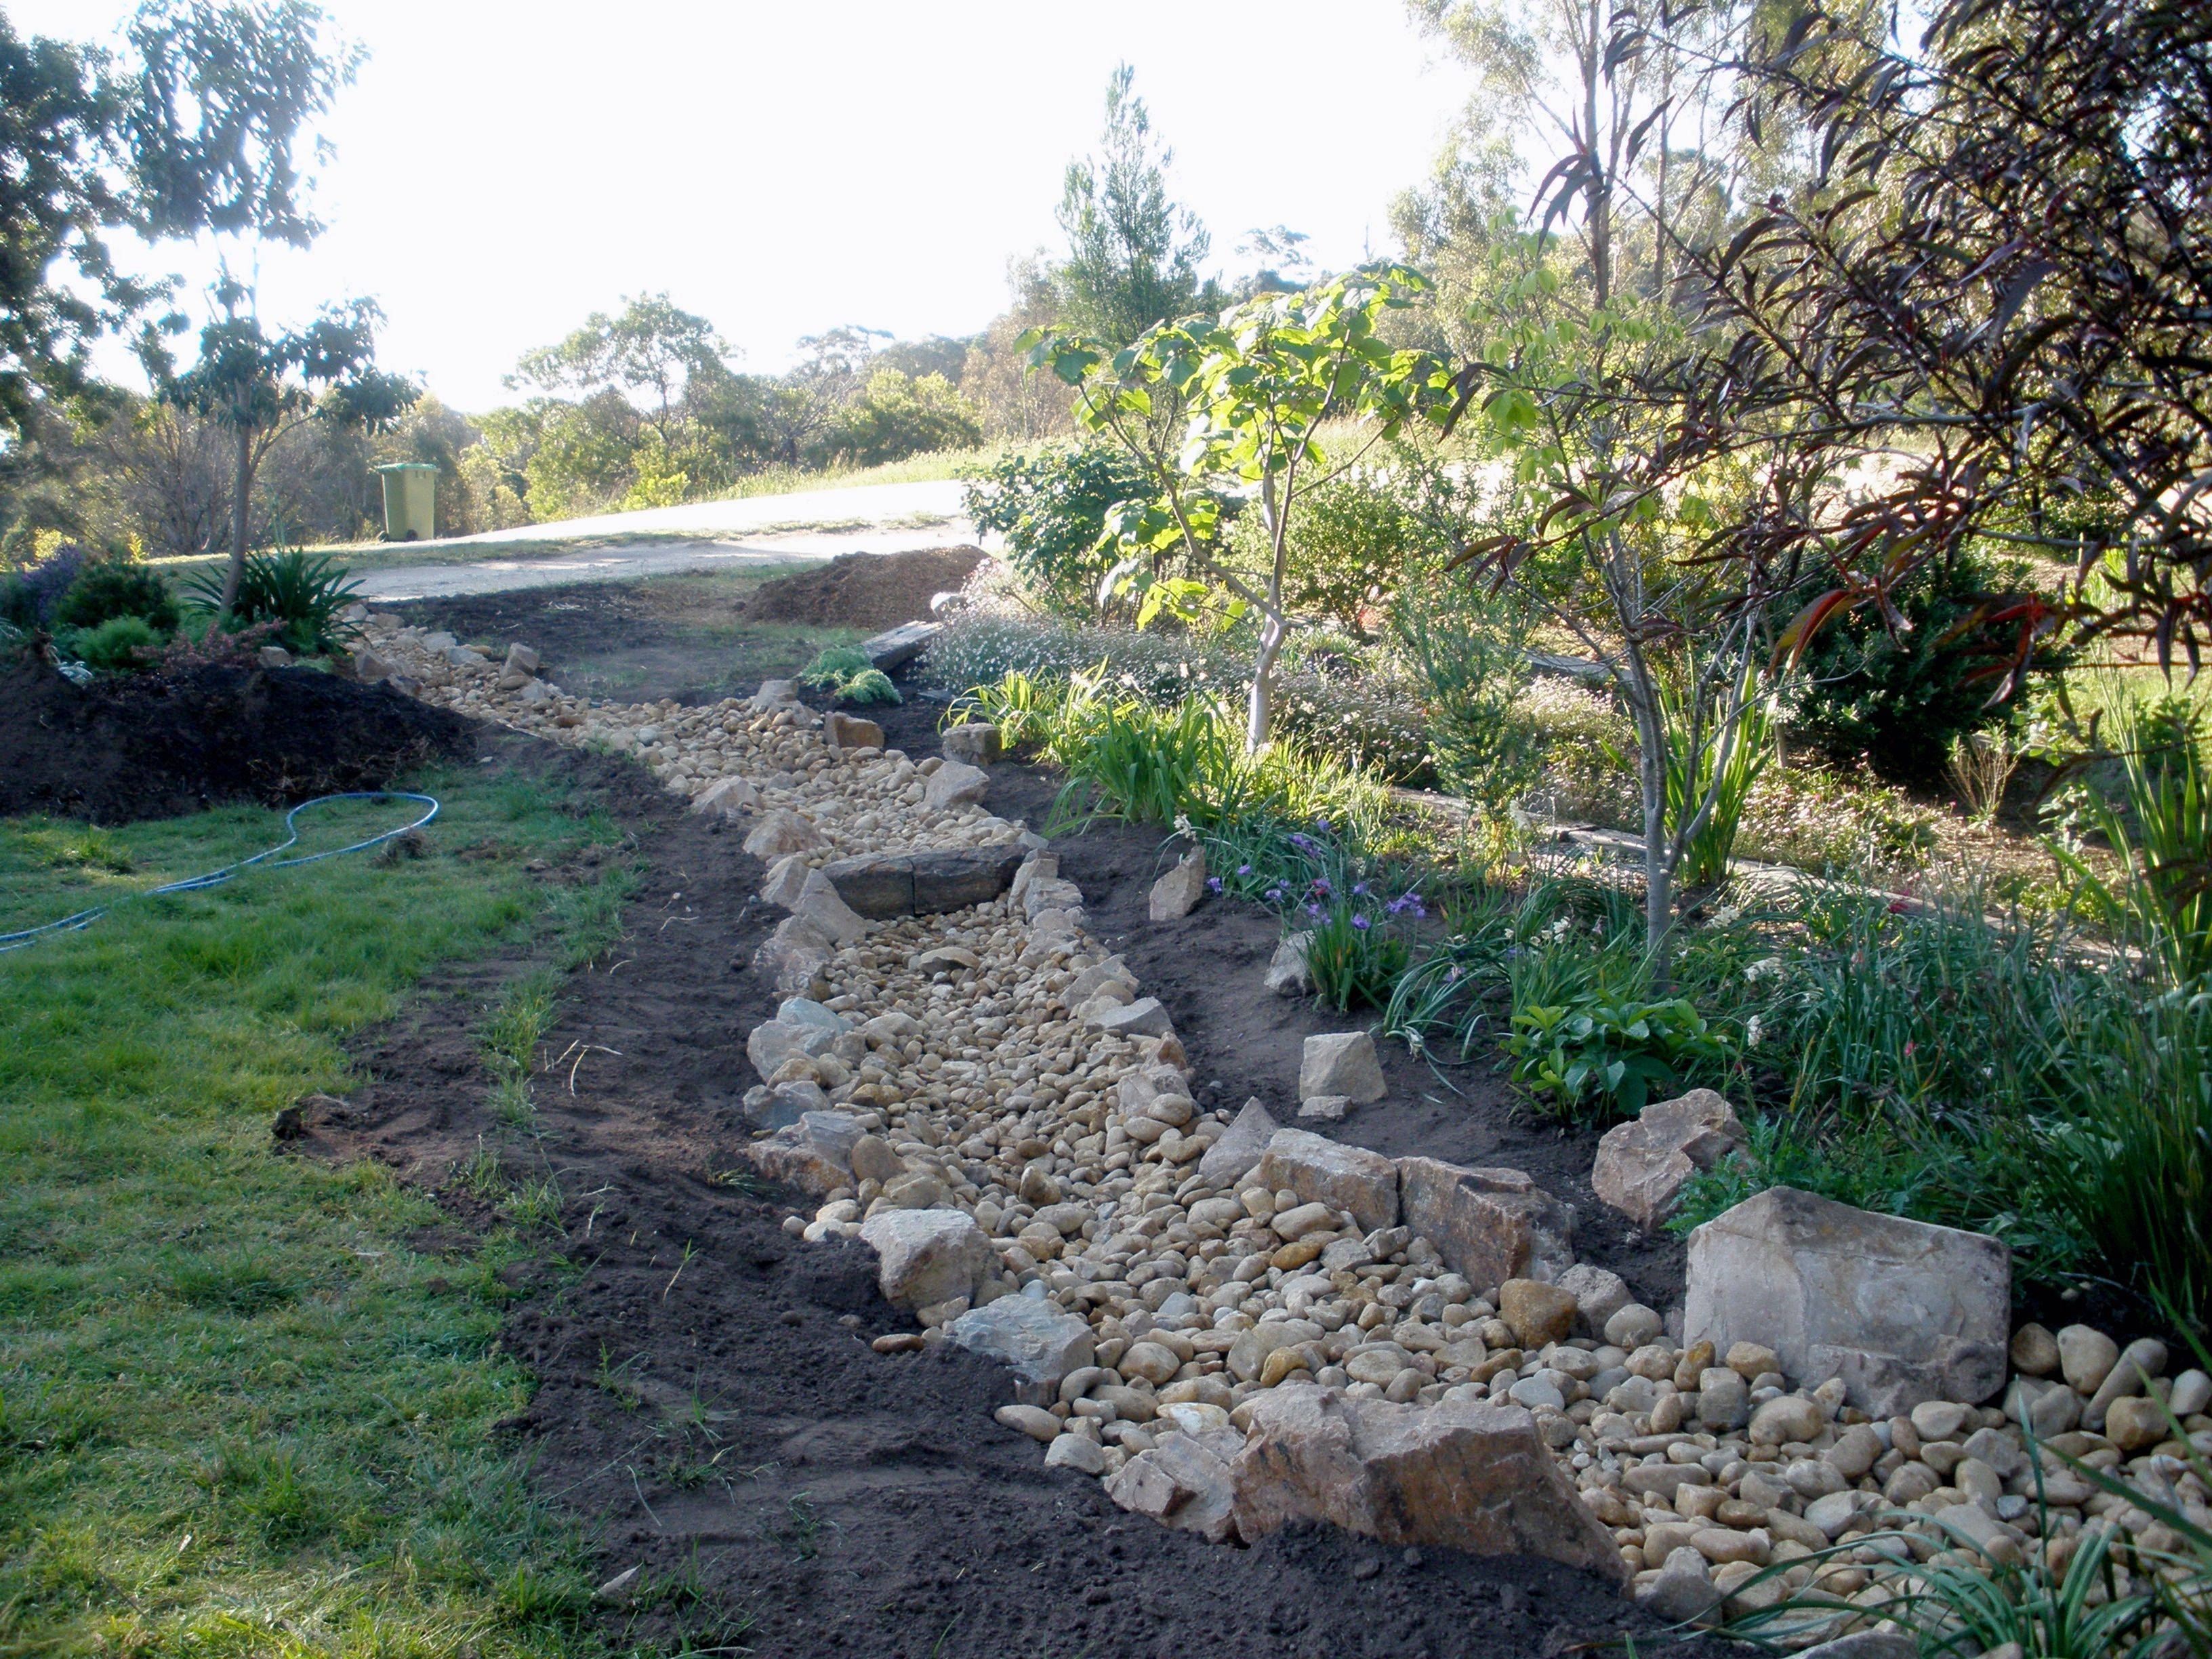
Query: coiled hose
pixel 30 936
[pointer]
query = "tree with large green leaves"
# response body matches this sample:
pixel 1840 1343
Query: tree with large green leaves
pixel 1257 388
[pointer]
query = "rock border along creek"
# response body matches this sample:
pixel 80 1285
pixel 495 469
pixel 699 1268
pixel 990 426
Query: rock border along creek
pixel 1236 1325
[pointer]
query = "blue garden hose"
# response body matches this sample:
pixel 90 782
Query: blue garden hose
pixel 30 936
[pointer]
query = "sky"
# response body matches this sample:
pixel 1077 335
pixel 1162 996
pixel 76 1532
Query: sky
pixel 506 167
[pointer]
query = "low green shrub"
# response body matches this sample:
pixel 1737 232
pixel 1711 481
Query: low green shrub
pixel 120 643
pixel 1050 507
pixel 847 674
pixel 1899 693
pixel 109 588
pixel 1598 1057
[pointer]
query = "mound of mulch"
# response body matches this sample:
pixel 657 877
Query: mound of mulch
pixel 865 590
pixel 157 744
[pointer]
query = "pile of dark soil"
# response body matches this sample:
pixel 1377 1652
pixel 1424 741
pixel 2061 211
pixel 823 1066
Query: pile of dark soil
pixel 706 1398
pixel 153 745
pixel 866 590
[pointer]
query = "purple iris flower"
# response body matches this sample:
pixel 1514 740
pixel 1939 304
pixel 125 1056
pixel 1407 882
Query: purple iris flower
pixel 1360 922
pixel 1213 883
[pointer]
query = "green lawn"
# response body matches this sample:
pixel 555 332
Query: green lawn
pixel 239 1414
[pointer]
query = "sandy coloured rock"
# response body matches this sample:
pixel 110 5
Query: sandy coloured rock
pixel 1491 1224
pixel 927 1257
pixel 1901 1311
pixel 1341 1063
pixel 1472 1477
pixel 1032 1338
pixel 1325 1171
pixel 1289 974
pixel 1643 1165
pixel 1177 893
pixel 955 784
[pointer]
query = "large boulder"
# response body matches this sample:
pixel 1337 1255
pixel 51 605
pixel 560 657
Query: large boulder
pixel 1032 1337
pixel 977 743
pixel 1456 1474
pixel 928 1256
pixel 1324 1172
pixel 1902 1311
pixel 820 903
pixel 1289 974
pixel 773 1042
pixel 954 878
pixel 1643 1164
pixel 1341 1063
pixel 1176 894
pixel 786 880
pixel 814 1154
pixel 955 783
pixel 875 884
pixel 849 732
pixel 1489 1225
pixel 728 798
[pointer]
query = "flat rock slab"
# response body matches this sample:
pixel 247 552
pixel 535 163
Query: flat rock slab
pixel 881 885
pixel 1903 1311
pixel 895 646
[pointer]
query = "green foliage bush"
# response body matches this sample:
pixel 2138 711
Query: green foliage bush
pixel 1350 545
pixel 112 587
pixel 1050 507
pixel 300 594
pixel 118 643
pixel 1599 1057
pixel 1899 696
pixel 846 674
pixel 896 415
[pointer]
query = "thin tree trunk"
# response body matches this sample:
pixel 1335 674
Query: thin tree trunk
pixel 241 503
pixel 1259 726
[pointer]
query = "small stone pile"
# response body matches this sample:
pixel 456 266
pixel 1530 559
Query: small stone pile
pixel 1236 1324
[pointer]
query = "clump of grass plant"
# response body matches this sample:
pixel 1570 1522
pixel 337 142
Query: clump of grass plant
pixel 1183 764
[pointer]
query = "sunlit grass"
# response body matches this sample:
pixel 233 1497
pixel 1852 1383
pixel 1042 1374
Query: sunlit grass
pixel 240 1411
